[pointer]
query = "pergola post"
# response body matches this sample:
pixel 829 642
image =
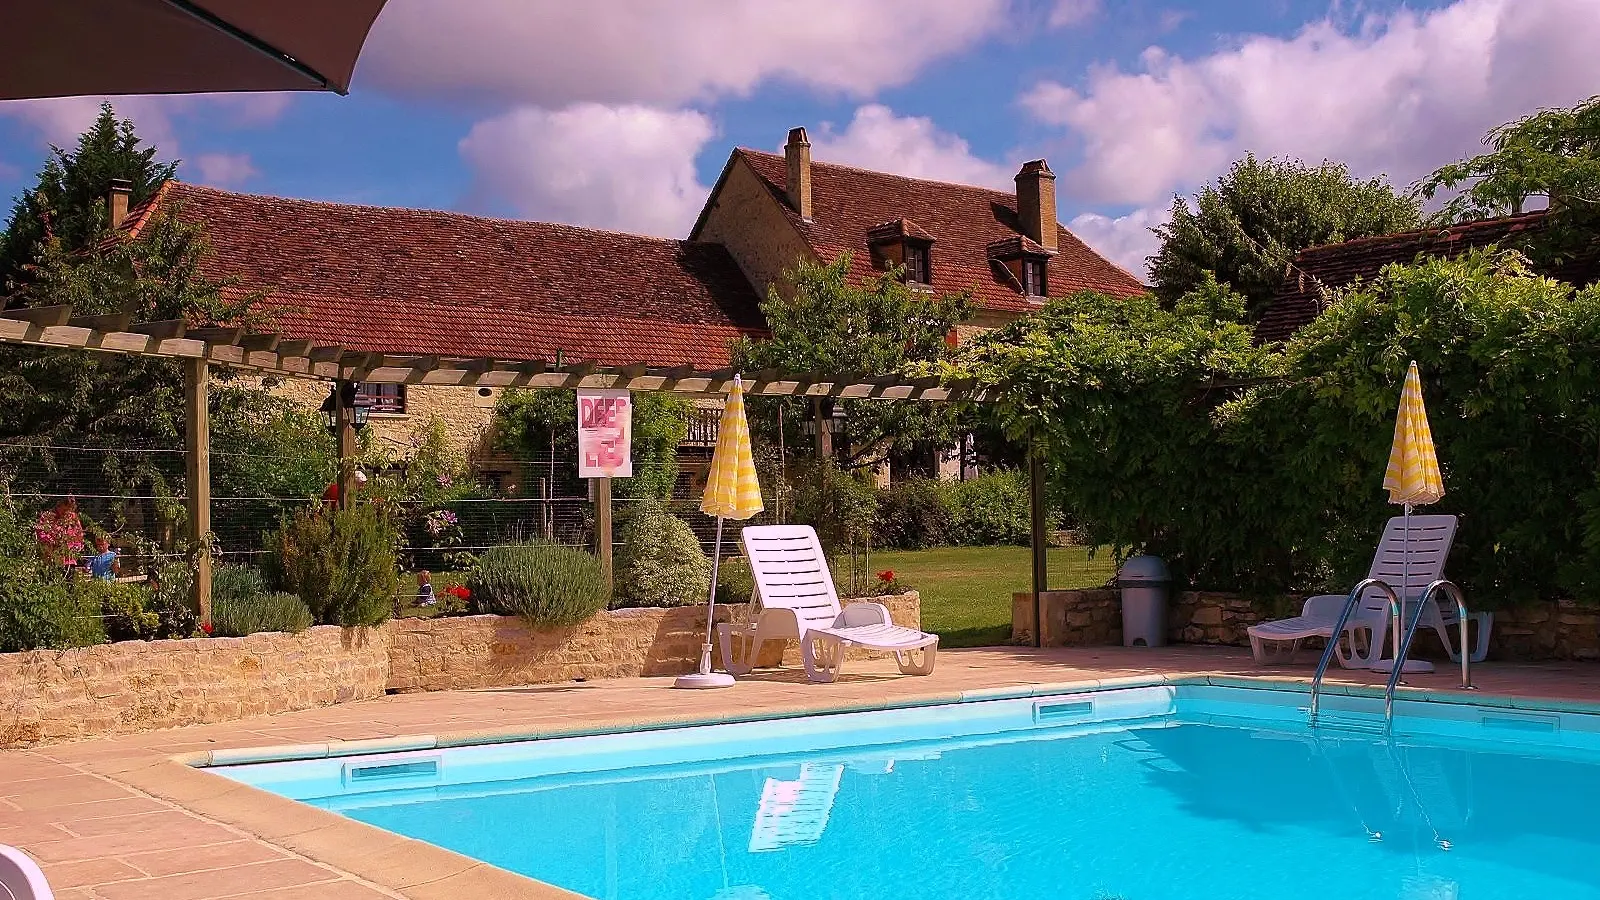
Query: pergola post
pixel 1040 539
pixel 344 396
pixel 602 527
pixel 197 472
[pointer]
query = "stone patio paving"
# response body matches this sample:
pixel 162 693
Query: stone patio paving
pixel 118 820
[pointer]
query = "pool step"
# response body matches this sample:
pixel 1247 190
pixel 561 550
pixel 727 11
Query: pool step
pixel 1350 723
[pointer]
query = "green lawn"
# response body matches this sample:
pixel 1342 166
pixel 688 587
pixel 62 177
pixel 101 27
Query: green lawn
pixel 966 591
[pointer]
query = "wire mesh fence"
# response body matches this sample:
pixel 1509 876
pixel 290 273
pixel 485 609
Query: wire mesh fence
pixel 136 497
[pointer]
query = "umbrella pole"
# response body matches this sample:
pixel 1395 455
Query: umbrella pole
pixel 704 677
pixel 711 603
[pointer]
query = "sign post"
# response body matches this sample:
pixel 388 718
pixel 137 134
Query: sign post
pixel 605 451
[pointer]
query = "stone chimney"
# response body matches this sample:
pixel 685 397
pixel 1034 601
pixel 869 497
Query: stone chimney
pixel 797 153
pixel 117 200
pixel 1036 202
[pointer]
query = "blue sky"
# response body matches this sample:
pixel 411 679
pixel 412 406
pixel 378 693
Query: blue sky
pixel 538 109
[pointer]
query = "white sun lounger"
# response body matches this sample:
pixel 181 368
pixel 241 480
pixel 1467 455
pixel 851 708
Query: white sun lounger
pixel 20 878
pixel 799 602
pixel 1416 559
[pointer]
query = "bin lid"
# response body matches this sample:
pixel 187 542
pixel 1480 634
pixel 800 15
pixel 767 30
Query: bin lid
pixel 1143 570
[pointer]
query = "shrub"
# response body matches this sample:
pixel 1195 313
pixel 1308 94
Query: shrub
pixel 171 599
pixel 913 515
pixel 236 583
pixel 661 563
pixel 40 611
pixel 990 509
pixel 842 506
pixel 544 583
pixel 735 582
pixel 340 562
pixel 237 615
pixel 129 615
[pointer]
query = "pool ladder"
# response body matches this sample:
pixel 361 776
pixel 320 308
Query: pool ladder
pixel 1402 638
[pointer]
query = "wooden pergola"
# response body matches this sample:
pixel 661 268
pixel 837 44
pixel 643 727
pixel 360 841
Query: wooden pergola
pixel 271 354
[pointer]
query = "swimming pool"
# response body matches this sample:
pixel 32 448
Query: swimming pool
pixel 1146 793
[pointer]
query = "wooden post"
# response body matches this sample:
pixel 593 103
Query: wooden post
pixel 197 472
pixel 344 395
pixel 824 436
pixel 1040 543
pixel 602 526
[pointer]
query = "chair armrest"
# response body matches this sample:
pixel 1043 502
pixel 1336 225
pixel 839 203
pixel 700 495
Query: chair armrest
pixel 863 613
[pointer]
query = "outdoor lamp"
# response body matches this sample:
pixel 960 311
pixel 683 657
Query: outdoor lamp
pixel 359 406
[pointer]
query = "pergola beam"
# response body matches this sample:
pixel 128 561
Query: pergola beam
pixel 272 354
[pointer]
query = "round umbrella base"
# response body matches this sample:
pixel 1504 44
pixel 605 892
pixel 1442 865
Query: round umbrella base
pixel 704 680
pixel 1412 666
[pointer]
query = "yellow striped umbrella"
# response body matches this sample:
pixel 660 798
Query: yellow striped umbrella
pixel 732 492
pixel 732 489
pixel 1413 476
pixel 1413 480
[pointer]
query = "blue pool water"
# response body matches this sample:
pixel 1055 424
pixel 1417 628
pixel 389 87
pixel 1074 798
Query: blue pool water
pixel 1144 794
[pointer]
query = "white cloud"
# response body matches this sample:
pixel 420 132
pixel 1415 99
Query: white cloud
pixel 1397 94
pixel 552 53
pixel 1125 240
pixel 906 145
pixel 225 169
pixel 626 168
pixel 61 120
pixel 1067 13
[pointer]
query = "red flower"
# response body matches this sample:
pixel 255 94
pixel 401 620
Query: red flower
pixel 206 627
pixel 460 592
pixel 886 575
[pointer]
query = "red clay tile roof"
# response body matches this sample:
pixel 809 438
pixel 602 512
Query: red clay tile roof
pixel 1331 266
pixel 847 203
pixel 425 282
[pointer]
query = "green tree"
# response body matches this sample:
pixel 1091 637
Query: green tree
pixel 1245 229
pixel 824 324
pixel 67 205
pixel 1552 154
pixel 54 398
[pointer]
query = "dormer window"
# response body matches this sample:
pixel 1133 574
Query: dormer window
pixel 1033 276
pixel 899 242
pixel 918 270
pixel 1023 264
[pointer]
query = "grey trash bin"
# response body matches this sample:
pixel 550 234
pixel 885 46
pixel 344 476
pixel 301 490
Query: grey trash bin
pixel 1144 582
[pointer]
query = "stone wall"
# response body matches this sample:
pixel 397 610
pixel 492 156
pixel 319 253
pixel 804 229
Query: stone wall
pixel 1093 618
pixel 492 651
pixel 750 222
pixel 50 695
pixel 465 412
pixel 62 695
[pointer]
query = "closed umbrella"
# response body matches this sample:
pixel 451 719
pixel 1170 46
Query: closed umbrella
pixel 66 48
pixel 1412 478
pixel 732 492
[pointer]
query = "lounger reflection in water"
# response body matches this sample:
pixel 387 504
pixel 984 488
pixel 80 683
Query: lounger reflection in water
pixel 795 813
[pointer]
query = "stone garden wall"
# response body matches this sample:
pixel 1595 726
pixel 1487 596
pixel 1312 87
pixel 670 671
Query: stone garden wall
pixel 133 686
pixel 62 695
pixel 1093 618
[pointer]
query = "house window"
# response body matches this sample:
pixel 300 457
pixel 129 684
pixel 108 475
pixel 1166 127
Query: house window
pixel 383 398
pixel 917 269
pixel 1033 277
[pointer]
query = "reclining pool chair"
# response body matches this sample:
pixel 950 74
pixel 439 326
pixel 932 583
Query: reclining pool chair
pixel 799 602
pixel 1427 546
pixel 20 878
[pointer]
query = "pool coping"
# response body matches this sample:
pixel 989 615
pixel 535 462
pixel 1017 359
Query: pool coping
pixel 418 870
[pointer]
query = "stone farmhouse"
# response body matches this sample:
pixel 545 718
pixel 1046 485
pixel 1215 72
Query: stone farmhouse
pixel 412 281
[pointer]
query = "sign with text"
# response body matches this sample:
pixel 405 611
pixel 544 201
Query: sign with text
pixel 605 434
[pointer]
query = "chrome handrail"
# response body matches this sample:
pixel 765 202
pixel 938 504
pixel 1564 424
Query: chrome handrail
pixel 1338 629
pixel 1411 633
